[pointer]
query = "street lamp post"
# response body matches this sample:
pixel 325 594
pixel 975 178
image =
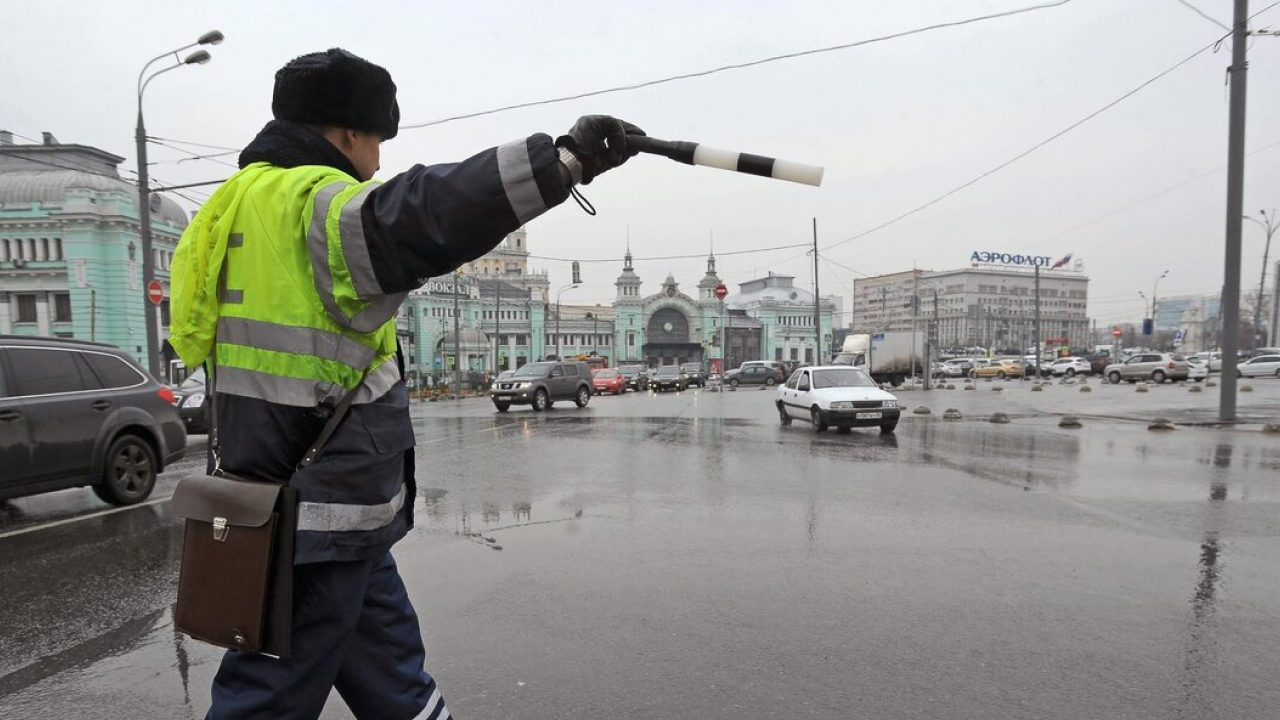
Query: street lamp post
pixel 198 57
pixel 570 286
pixel 1270 227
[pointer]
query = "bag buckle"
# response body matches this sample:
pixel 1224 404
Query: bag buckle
pixel 220 529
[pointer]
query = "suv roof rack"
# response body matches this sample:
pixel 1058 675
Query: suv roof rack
pixel 42 339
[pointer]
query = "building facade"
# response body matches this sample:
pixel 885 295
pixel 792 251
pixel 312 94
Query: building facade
pixel 986 307
pixel 71 248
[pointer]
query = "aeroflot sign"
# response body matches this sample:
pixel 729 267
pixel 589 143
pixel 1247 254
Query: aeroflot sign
pixel 982 256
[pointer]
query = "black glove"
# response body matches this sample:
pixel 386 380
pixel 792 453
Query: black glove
pixel 599 142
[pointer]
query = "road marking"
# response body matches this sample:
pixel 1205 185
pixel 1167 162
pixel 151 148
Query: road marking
pixel 68 521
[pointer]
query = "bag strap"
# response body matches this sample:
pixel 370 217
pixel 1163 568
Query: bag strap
pixel 330 426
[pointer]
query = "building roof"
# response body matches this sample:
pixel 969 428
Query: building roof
pixel 773 290
pixel 49 189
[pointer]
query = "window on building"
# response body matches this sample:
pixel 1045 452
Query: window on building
pixel 62 307
pixel 164 312
pixel 26 309
pixel 777 353
pixel 57 249
pixel 795 353
pixel 631 339
pixel 808 355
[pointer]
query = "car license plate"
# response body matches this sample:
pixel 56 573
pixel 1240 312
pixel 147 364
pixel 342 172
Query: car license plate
pixel 869 416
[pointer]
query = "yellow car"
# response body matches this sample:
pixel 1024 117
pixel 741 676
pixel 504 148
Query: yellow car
pixel 998 369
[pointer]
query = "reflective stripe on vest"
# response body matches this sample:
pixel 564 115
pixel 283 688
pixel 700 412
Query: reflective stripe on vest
pixel 378 311
pixel 291 339
pixel 300 392
pixel 346 517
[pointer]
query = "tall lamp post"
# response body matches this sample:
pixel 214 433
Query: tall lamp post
pixel 1270 227
pixel 570 286
pixel 199 57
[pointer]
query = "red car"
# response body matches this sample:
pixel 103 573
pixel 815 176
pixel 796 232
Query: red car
pixel 609 381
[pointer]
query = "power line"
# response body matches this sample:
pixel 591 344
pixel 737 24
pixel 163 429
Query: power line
pixel 1202 14
pixel 668 257
pixel 740 66
pixel 198 156
pixel 1024 153
pixel 154 138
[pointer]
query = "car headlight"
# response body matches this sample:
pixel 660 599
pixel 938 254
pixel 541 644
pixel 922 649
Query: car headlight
pixel 890 403
pixel 841 405
pixel 195 399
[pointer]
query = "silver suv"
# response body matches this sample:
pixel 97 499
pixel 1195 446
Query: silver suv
pixel 540 384
pixel 1156 367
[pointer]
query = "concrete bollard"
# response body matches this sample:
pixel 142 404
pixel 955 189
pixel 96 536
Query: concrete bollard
pixel 1070 421
pixel 922 410
pixel 1195 388
pixel 1210 383
pixel 1085 388
pixel 969 387
pixel 1271 429
pixel 954 414
pixel 1036 388
pixel 1246 388
pixel 999 419
pixel 997 389
pixel 1160 424
pixel 1141 387
pixel 950 386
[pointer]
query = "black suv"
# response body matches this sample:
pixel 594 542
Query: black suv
pixel 540 384
pixel 75 413
pixel 637 376
pixel 697 376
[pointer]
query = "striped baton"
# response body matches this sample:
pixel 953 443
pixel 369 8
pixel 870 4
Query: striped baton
pixel 695 154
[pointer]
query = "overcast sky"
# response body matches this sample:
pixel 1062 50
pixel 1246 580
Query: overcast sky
pixel 896 124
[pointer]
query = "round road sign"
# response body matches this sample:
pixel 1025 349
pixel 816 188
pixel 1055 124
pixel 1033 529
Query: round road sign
pixel 721 291
pixel 1116 331
pixel 155 292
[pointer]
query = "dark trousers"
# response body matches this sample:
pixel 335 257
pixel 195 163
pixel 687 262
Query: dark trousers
pixel 353 629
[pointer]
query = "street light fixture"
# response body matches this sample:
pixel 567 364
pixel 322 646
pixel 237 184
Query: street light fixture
pixel 199 57
pixel 570 286
pixel 1270 227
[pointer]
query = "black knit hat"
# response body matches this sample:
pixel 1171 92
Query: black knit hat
pixel 339 89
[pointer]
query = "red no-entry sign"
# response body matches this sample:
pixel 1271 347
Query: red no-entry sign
pixel 155 292
pixel 1116 331
pixel 721 291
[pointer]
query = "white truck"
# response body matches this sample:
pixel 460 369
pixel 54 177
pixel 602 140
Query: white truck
pixel 889 357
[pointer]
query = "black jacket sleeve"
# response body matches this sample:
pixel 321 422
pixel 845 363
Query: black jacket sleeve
pixel 428 221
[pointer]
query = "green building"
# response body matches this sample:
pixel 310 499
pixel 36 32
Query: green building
pixel 71 249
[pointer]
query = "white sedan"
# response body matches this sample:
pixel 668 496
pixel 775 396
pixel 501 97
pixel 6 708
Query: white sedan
pixel 837 395
pixel 1261 366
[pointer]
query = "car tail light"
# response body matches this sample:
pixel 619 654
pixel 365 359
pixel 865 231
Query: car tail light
pixel 167 395
pixel 1171 365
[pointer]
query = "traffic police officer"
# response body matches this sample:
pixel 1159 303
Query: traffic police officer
pixel 288 281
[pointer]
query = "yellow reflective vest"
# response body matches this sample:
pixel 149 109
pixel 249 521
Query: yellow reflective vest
pixel 273 278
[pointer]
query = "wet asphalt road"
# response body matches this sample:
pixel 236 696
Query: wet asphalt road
pixel 684 556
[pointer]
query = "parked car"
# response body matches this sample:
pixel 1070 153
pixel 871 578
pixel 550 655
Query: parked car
pixel 780 369
pixel 751 375
pixel 610 381
pixel 541 384
pixel 947 369
pixel 1260 366
pixel 839 396
pixel 76 413
pixel 697 376
pixel 962 365
pixel 1097 362
pixel 1258 352
pixel 192 402
pixel 1156 367
pixel 1198 369
pixel 997 369
pixel 637 376
pixel 1070 367
pixel 668 377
